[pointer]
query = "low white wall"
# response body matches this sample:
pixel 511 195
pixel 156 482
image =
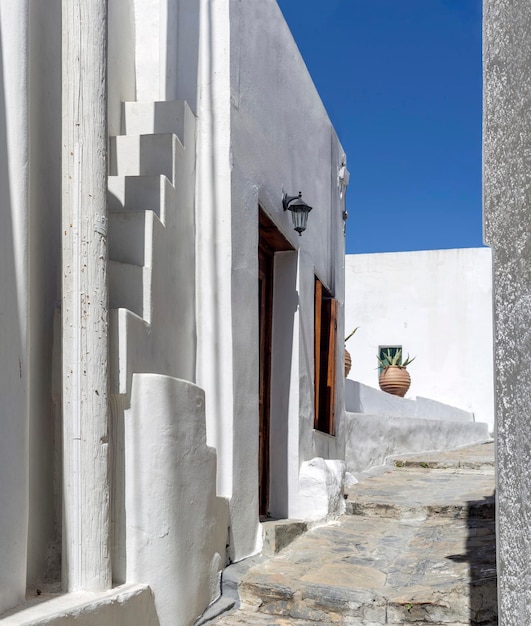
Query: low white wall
pixel 437 304
pixel 176 526
pixel 371 439
pixel 364 399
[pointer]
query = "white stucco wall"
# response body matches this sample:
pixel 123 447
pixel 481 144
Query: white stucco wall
pixel 437 305
pixel 121 79
pixel 256 140
pixel 270 153
pixel 166 48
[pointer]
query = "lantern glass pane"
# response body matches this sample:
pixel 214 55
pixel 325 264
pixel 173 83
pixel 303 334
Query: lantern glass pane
pixel 300 219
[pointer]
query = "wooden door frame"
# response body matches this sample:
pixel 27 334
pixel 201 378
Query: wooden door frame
pixel 265 312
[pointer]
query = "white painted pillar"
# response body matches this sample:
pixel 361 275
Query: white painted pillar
pixel 214 238
pixel 86 519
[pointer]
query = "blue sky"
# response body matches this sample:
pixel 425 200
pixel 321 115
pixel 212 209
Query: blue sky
pixel 401 80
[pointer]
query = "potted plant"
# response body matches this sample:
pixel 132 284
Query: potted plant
pixel 348 358
pixel 394 377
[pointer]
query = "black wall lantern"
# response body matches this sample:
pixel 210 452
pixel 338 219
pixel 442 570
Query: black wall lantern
pixel 299 211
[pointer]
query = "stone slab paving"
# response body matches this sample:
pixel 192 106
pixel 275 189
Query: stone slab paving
pixel 418 548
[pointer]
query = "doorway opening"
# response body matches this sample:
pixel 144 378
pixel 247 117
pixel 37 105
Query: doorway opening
pixel 270 241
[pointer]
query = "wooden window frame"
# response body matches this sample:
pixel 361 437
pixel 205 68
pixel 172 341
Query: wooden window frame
pixel 326 308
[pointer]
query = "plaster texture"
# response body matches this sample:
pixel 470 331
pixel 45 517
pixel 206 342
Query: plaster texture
pixel 437 305
pixel 371 439
pixel 507 229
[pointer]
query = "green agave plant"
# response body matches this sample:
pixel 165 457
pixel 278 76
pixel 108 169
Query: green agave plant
pixel 388 360
pixel 349 336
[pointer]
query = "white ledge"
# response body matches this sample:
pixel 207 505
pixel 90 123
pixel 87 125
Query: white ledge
pixel 122 606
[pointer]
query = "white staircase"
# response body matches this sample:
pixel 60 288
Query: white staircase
pixel 151 242
pixel 157 412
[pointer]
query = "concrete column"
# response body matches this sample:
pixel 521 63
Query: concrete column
pixel 86 550
pixel 507 214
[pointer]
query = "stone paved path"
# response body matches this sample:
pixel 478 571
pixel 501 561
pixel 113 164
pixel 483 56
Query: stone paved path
pixel 416 547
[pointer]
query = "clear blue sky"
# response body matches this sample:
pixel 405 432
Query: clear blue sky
pixel 401 80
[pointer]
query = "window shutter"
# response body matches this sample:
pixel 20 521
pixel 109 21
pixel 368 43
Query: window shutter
pixel 331 377
pixel 325 359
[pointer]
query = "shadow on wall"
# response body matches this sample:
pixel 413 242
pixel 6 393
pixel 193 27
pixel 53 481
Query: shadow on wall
pixel 13 393
pixel 182 50
pixel 45 424
pixel 480 556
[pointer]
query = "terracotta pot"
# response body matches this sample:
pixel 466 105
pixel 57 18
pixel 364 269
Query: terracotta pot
pixel 395 380
pixel 348 362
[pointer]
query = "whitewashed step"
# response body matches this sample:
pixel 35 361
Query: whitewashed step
pixel 132 235
pixel 145 118
pixel 131 349
pixel 141 193
pixel 130 288
pixel 145 155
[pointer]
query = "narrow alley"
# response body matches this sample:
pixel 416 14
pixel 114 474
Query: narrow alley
pixel 416 545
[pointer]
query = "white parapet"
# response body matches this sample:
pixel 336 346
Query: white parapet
pixel 176 527
pixel 126 605
pixel 371 439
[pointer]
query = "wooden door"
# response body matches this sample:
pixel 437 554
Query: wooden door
pixel 325 359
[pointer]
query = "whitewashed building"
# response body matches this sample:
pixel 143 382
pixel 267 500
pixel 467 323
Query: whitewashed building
pixel 160 318
pixel 434 305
